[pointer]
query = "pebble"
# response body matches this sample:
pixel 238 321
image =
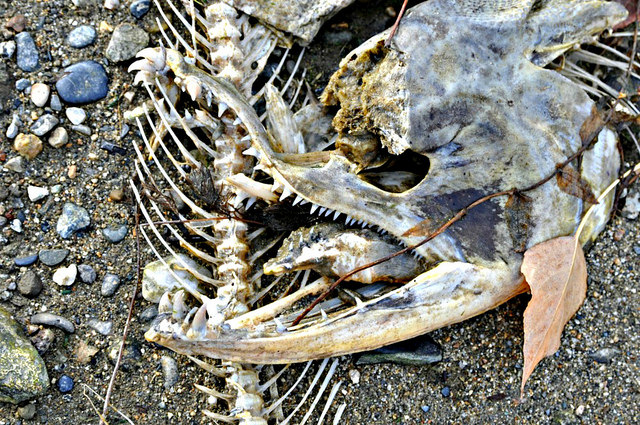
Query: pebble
pixel 110 284
pixel 50 319
pixel 16 225
pixel 84 3
pixel 425 408
pixel 27 145
pixel 73 171
pixel 580 410
pixel 139 8
pixel 83 82
pixel 631 208
pixel 7 48
pixel 87 273
pixel 44 124
pixel 27 412
pixel 76 115
pixel 149 313
pixel 65 384
pixel 126 41
pixel 65 276
pixel 15 164
pixel 354 375
pixel 446 392
pixel 604 355
pixel 72 219
pixel 113 148
pixel 116 195
pixel 123 131
pixel 170 371
pixel 111 4
pixel 59 137
pixel 36 192
pixel 81 36
pixel 102 327
pixel 43 340
pixel 53 257
pixel 14 127
pixel 22 84
pixel 40 94
pixel 27 56
pixel 82 129
pixel 16 23
pixel 30 284
pixel 115 234
pixel 55 103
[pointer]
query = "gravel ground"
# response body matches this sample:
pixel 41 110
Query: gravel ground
pixel 594 377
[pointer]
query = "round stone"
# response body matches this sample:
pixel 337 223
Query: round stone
pixel 65 384
pixel 44 124
pixel 55 103
pixel 26 261
pixel 59 137
pixel 30 284
pixel 27 56
pixel 27 145
pixel 115 234
pixel 110 284
pixel 126 41
pixel 87 273
pixel 40 94
pixel 83 82
pixel 139 8
pixel 116 195
pixel 14 127
pixel 76 115
pixel 65 276
pixel 52 257
pixel 72 219
pixel 81 36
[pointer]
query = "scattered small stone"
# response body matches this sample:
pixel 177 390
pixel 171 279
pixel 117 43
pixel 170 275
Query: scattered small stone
pixel 149 313
pixel 76 115
pixel 111 4
pixel 53 257
pixel 139 8
pixel 354 375
pixel 446 392
pixel 27 412
pixel 15 164
pixel 14 127
pixel 83 82
pixel 65 384
pixel 40 94
pixel 580 410
pixel 110 284
pixel 16 23
pixel 126 41
pixel 22 84
pixel 72 219
pixel 73 171
pixel 102 327
pixel 631 208
pixel 43 340
pixel 55 103
pixel 636 249
pixel 50 319
pixel 16 225
pixel 44 124
pixel 65 276
pixel 170 371
pixel 30 284
pixel 87 273
pixel 59 137
pixel 112 148
pixel 82 129
pixel 26 261
pixel 425 409
pixel 116 195
pixel 84 3
pixel 81 36
pixel 27 145
pixel 104 27
pixel 123 131
pixel 605 355
pixel 115 234
pixel 27 56
pixel 7 48
pixel 56 188
pixel 36 193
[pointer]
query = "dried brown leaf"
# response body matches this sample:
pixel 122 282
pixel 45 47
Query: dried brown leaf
pixel 424 228
pixel 571 182
pixel 556 272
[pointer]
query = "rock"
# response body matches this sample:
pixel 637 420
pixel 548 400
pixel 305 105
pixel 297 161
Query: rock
pixel 110 284
pixel 115 234
pixel 126 41
pixel 112 148
pixel 76 115
pixel 59 137
pixel 16 23
pixel 24 374
pixel 30 284
pixel 149 313
pixel 55 103
pixel 43 340
pixel 87 273
pixel 131 355
pixel 53 257
pixel 85 3
pixel 27 145
pixel 14 127
pixel 631 208
pixel 85 352
pixel 81 36
pixel 40 94
pixel 65 276
pixel 16 225
pixel 82 129
pixel 50 319
pixel 111 4
pixel 72 219
pixel 27 56
pixel 605 355
pixel 354 375
pixel 422 350
pixel 7 49
pixel 83 82
pixel 446 392
pixel 36 193
pixel 15 164
pixel 27 412
pixel 170 371
pixel 44 124
pixel 73 171
pixel 26 261
pixel 65 384
pixel 116 195
pixel 156 278
pixel 139 8
pixel 102 327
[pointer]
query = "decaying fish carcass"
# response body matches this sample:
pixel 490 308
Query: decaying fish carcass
pixel 458 106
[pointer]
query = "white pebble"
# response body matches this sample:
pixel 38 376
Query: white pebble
pixel 59 137
pixel 7 48
pixel 111 4
pixel 354 375
pixel 76 115
pixel 40 94
pixel 36 193
pixel 16 225
pixel 14 127
pixel 65 276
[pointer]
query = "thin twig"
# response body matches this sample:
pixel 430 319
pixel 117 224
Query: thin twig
pixel 395 26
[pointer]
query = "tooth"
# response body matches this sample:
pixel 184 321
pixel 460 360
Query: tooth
pixel 194 89
pixel 322 210
pixel 383 232
pixel 336 215
pixel 347 220
pixel 276 186
pixel 165 305
pixel 324 314
pixel 314 207
pixel 189 315
pixel 222 107
pixel 251 151
pixel 179 307
pixel 237 121
pixel 286 192
pixel 209 98
pixel 246 138
pixel 142 65
pixel 250 202
pixel 199 325
pixel 297 200
pixel 154 55
pixel 364 224
pixel 143 76
pixel 304 201
pixel 359 303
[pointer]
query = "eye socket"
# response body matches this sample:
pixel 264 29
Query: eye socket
pixel 399 174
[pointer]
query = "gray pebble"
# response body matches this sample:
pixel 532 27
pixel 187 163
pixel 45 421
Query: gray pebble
pixel 123 131
pixel 87 273
pixel 139 8
pixel 72 219
pixel 26 261
pixel 55 103
pixel 102 327
pixel 7 48
pixel 50 319
pixel 3 220
pixel 53 257
pixel 22 84
pixel 27 412
pixel 15 164
pixel 149 313
pixel 110 284
pixel 82 129
pixel 14 127
pixel 126 41
pixel 83 82
pixel 81 36
pixel 30 284
pixel 338 37
pixel 76 115
pixel 43 340
pixel 170 371
pixel 27 56
pixel 605 355
pixel 115 234
pixel 44 124
pixel 59 137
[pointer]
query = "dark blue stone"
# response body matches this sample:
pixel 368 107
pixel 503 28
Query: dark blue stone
pixel 83 82
pixel 139 8
pixel 446 391
pixel 26 261
pixel 115 234
pixel 65 384
pixel 22 84
pixel 81 36
pixel 113 148
pixel 27 53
